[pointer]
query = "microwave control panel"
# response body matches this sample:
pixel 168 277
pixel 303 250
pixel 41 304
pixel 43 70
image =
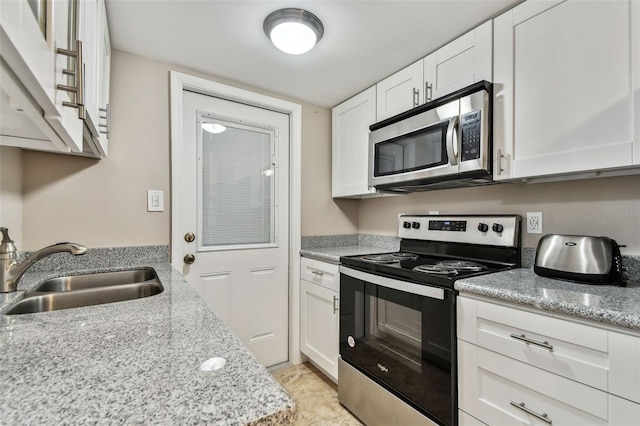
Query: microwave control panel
pixel 471 133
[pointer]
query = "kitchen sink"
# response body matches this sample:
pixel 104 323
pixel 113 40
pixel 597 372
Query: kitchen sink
pixel 90 289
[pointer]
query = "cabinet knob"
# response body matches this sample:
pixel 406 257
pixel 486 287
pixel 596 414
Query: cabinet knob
pixel 189 259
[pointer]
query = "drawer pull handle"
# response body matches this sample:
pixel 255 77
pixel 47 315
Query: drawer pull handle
pixel 542 416
pixel 335 308
pixel 526 339
pixel 318 273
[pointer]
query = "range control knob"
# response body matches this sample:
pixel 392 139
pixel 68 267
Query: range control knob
pixel 483 227
pixel 406 225
pixel 415 225
pixel 497 228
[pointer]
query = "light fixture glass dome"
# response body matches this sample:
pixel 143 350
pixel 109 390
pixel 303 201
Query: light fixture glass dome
pixel 293 31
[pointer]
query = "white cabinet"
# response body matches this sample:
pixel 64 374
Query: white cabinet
pixel 400 92
pixel 460 63
pixel 350 145
pixel 94 31
pixel 319 310
pixel 43 80
pixel 517 366
pixel 466 60
pixel 565 74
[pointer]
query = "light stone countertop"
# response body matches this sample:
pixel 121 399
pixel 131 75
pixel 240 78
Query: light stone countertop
pixel 612 305
pixel 132 362
pixel 332 254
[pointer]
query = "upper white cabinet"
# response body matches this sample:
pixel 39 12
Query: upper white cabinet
pixel 94 32
pixel 50 80
pixel 462 62
pixel 401 91
pixel 565 74
pixel 350 144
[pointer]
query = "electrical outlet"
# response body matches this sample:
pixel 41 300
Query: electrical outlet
pixel 534 222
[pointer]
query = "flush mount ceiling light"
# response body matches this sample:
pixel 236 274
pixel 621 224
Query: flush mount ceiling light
pixel 293 31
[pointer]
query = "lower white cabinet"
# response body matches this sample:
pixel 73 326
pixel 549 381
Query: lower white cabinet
pixel 518 366
pixel 320 319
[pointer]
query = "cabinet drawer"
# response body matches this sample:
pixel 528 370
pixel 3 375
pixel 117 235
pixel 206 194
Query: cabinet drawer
pixel 321 273
pixel 576 351
pixel 499 390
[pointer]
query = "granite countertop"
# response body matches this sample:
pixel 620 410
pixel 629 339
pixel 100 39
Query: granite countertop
pixel 618 306
pixel 132 362
pixel 332 254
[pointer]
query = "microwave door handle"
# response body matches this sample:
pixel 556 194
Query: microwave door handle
pixel 452 140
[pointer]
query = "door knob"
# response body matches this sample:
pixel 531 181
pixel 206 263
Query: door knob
pixel 189 259
pixel 189 237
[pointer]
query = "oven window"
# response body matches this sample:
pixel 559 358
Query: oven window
pixel 418 150
pixel 403 341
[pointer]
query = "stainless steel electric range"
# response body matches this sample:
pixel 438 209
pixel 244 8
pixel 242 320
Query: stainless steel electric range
pixel 398 315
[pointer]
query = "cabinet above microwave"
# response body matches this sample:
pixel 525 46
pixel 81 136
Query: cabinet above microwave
pixel 45 101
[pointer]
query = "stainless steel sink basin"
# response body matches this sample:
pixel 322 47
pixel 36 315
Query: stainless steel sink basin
pixel 90 289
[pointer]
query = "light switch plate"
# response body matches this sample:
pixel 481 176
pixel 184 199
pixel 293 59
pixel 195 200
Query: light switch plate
pixel 155 201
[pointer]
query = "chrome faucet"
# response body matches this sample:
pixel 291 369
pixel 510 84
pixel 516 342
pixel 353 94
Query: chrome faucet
pixel 11 271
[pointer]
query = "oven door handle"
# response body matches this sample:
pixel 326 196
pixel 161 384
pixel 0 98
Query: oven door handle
pixel 452 140
pixel 406 286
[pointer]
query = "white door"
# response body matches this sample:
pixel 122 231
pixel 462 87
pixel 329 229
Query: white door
pixel 235 199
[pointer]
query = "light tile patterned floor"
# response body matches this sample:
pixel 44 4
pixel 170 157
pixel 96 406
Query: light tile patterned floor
pixel 316 396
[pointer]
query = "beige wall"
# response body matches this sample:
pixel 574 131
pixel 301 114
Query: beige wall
pixel 11 192
pixel 321 214
pixel 103 203
pixel 606 206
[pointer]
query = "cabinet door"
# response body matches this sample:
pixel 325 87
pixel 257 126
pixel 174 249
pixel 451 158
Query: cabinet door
pixel 89 27
pixel 104 81
pixel 67 121
pixel 320 327
pixel 400 92
pixel 464 61
pixel 350 144
pixel 563 93
pixel 498 391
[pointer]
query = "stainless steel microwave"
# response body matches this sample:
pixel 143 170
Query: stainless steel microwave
pixel 442 144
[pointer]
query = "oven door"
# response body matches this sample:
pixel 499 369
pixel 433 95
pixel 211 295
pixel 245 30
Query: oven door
pixel 401 335
pixel 419 147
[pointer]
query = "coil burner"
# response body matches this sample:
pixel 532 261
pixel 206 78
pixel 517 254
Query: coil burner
pixel 462 265
pixel 436 270
pixel 389 257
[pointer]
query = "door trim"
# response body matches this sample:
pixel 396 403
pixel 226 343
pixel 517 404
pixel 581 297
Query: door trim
pixel 180 82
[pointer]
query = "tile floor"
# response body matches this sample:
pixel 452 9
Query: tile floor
pixel 316 396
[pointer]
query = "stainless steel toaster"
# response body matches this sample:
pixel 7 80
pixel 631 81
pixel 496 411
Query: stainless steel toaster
pixel 580 258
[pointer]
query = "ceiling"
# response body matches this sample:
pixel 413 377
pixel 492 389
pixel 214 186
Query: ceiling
pixel 364 40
